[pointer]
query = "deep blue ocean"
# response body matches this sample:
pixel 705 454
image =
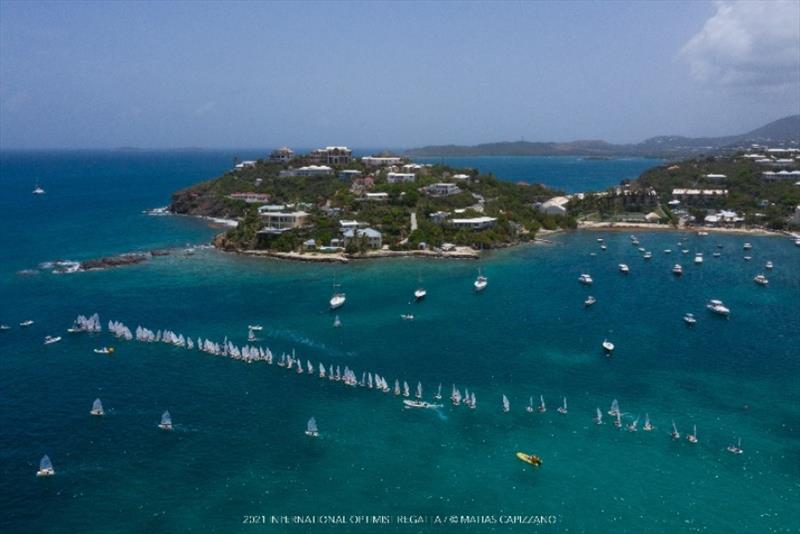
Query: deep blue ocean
pixel 571 174
pixel 239 449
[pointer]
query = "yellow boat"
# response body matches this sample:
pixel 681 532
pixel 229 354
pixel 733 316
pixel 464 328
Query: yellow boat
pixel 530 459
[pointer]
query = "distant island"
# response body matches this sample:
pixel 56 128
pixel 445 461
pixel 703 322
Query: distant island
pixel 331 206
pixel 781 132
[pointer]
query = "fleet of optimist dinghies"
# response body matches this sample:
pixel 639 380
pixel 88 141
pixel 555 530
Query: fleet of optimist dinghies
pixel 369 379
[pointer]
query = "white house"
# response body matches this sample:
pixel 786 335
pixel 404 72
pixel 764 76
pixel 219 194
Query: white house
pixel 400 177
pixel 375 161
pixel 274 220
pixel 309 170
pixel 245 165
pixel 474 223
pixel 372 236
pixel 377 197
pixel 724 217
pixel 442 189
pixel 780 175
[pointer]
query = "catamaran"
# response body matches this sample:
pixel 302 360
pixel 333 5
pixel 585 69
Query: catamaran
pixel 692 438
pixel 589 301
pixel 311 428
pixel 623 268
pixel 438 395
pixel 761 280
pixel 647 255
pixel 735 449
pixel 689 319
pixel 598 418
pixel 45 467
pixel 506 406
pixel 768 265
pixel 677 270
pixel 675 434
pixel 97 408
pixel 49 340
pixel 563 409
pixel 647 425
pixel 698 258
pixel 166 421
pixel 481 282
pixel 585 279
pixel 542 407
pixel 26 323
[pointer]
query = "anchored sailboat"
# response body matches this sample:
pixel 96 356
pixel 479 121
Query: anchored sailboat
pixel 45 467
pixel 338 298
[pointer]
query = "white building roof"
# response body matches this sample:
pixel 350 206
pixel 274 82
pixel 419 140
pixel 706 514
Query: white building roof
pixel 474 220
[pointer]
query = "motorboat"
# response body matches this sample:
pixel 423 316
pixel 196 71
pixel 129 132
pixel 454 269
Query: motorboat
pixel 689 319
pixel 589 301
pixel 647 255
pixel 337 300
pixel 667 251
pixel 768 265
pixel 38 190
pixel 256 327
pixel 4 327
pixel 677 270
pixel 698 258
pixel 761 280
pixel 718 307
pixel 623 268
pixel 412 403
pixel 608 346
pixel 748 258
pixel 49 340
pixel 406 316
pixel 716 254
pixel 747 246
pixel 531 459
pixel 702 233
pixel 585 279
pixel 603 247
pixel 26 323
pixel 420 293
pixel 104 350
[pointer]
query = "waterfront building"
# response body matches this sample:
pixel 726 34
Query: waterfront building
pixel 309 170
pixel 400 177
pixel 474 223
pixel 277 220
pixel 381 161
pixel 442 189
pixel 372 236
pixel 281 155
pixel 332 155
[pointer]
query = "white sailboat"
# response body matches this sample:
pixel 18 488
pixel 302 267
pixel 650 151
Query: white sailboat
pixel 481 282
pixel 97 408
pixel 598 418
pixel 633 427
pixel 45 467
pixel 311 428
pixel 506 406
pixel 38 190
pixel 420 292
pixel 618 420
pixel 608 346
pixel 647 425
pixel 166 421
pixel 529 407
pixel 614 408
pixel 419 390
pixel 26 323
pixel 337 322
pixel 542 407
pixel 406 391
pixel 736 449
pixel 585 279
pixel 563 408
pixel 338 298
pixel 675 434
pixel 692 438
pixel 49 340
pixel 251 336
pixel 397 387
pixel 438 395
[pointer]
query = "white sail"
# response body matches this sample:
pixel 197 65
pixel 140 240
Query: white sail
pixel 45 464
pixel 311 428
pixel 599 419
pixel 166 420
pixel 438 393
pixel 397 387
pixel 614 408
pixel 97 407
pixel 406 392
pixel 506 406
pixel 419 390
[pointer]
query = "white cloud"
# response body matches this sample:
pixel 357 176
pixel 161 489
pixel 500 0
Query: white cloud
pixel 752 44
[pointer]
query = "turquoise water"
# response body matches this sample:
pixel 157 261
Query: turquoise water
pixel 568 173
pixel 238 447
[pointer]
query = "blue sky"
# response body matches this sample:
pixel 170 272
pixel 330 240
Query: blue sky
pixel 148 74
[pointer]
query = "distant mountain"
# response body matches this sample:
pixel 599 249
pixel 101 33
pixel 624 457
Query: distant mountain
pixel 785 131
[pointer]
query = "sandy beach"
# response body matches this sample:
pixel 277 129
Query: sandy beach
pixel 612 226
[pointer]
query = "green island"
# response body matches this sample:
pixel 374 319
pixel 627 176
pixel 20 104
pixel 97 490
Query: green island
pixel 331 205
